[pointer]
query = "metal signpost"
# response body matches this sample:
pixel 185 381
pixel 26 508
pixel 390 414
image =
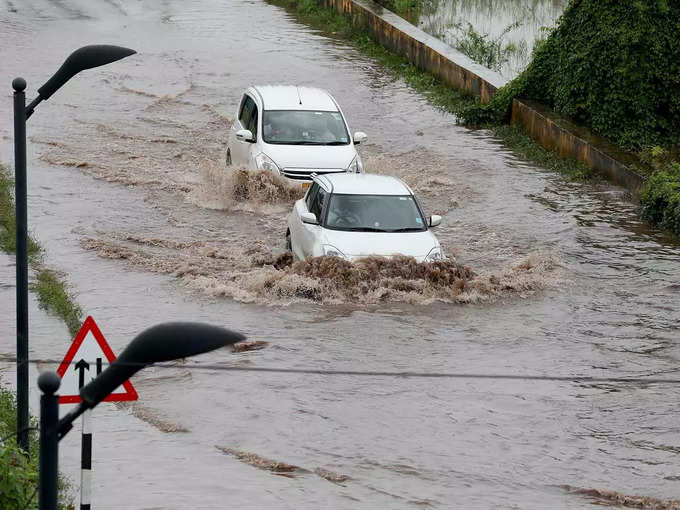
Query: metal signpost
pixel 81 364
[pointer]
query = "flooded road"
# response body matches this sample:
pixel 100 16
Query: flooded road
pixel 129 198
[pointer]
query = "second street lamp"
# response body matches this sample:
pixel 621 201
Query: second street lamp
pixel 86 57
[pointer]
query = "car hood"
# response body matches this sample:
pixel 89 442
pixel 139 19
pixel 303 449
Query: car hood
pixel 311 156
pixel 361 244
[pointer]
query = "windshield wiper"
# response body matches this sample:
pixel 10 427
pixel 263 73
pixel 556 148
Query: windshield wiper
pixel 406 229
pixel 337 142
pixel 369 229
pixel 304 143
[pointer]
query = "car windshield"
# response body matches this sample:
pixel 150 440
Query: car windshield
pixel 295 127
pixel 374 213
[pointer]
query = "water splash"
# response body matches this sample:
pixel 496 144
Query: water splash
pixel 264 276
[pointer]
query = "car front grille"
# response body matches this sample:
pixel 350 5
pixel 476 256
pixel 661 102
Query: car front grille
pixel 303 174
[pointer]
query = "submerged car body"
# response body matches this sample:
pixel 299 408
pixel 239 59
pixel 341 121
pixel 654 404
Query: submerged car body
pixel 359 215
pixel 293 132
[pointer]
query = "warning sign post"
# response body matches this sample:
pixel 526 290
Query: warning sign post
pixel 83 362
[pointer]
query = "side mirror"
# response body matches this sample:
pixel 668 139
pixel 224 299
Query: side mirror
pixel 308 217
pixel 245 135
pixel 359 137
pixel 435 220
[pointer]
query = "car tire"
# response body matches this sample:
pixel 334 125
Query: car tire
pixel 289 244
pixel 228 158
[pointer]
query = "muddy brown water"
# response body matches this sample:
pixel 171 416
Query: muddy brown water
pixel 127 159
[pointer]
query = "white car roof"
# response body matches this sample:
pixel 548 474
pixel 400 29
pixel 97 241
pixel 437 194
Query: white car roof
pixel 364 184
pixel 291 97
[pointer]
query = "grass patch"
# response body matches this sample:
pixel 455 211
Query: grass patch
pixel 51 290
pixel 18 472
pixel 53 297
pixel 8 230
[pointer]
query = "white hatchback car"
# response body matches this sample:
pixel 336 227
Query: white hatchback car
pixel 357 215
pixel 294 132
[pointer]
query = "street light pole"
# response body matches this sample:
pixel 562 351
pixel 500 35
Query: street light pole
pixel 19 85
pixel 83 58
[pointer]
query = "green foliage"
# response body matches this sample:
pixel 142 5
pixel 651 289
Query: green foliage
pixel 485 50
pixel 52 296
pixel 613 66
pixel 18 472
pixel 661 196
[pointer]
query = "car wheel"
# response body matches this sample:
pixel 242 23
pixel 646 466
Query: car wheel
pixel 289 245
pixel 228 158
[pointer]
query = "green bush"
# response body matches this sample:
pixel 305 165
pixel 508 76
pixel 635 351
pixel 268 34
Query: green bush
pixel 661 198
pixel 613 66
pixel 18 472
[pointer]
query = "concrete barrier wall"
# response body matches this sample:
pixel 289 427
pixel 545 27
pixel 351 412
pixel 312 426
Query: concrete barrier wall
pixel 572 141
pixel 422 50
pixel 457 70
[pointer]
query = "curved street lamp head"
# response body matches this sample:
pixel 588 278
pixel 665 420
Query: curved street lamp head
pixel 83 58
pixel 164 342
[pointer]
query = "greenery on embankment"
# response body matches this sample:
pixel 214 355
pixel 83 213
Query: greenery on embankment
pixel 611 66
pixel 431 87
pixel 661 196
pixel 18 472
pixel 615 68
pixel 51 290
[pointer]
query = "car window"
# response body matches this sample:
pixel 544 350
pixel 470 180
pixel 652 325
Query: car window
pixel 252 122
pixel 311 195
pixel 317 203
pixel 244 114
pixel 375 213
pixel 302 127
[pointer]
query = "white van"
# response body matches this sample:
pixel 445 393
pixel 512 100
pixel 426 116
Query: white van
pixel 294 132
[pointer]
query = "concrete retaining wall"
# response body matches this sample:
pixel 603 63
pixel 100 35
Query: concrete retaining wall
pixel 572 141
pixel 422 50
pixel 457 70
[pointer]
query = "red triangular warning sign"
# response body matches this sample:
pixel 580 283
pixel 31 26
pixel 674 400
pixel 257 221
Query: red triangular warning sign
pixel 83 362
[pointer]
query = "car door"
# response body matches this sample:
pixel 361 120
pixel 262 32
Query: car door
pixel 247 119
pixel 311 233
pixel 297 227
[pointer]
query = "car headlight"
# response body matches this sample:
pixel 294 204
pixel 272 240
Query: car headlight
pixel 356 166
pixel 434 255
pixel 264 162
pixel 331 251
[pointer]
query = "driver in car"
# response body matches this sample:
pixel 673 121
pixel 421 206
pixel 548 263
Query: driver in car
pixel 345 212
